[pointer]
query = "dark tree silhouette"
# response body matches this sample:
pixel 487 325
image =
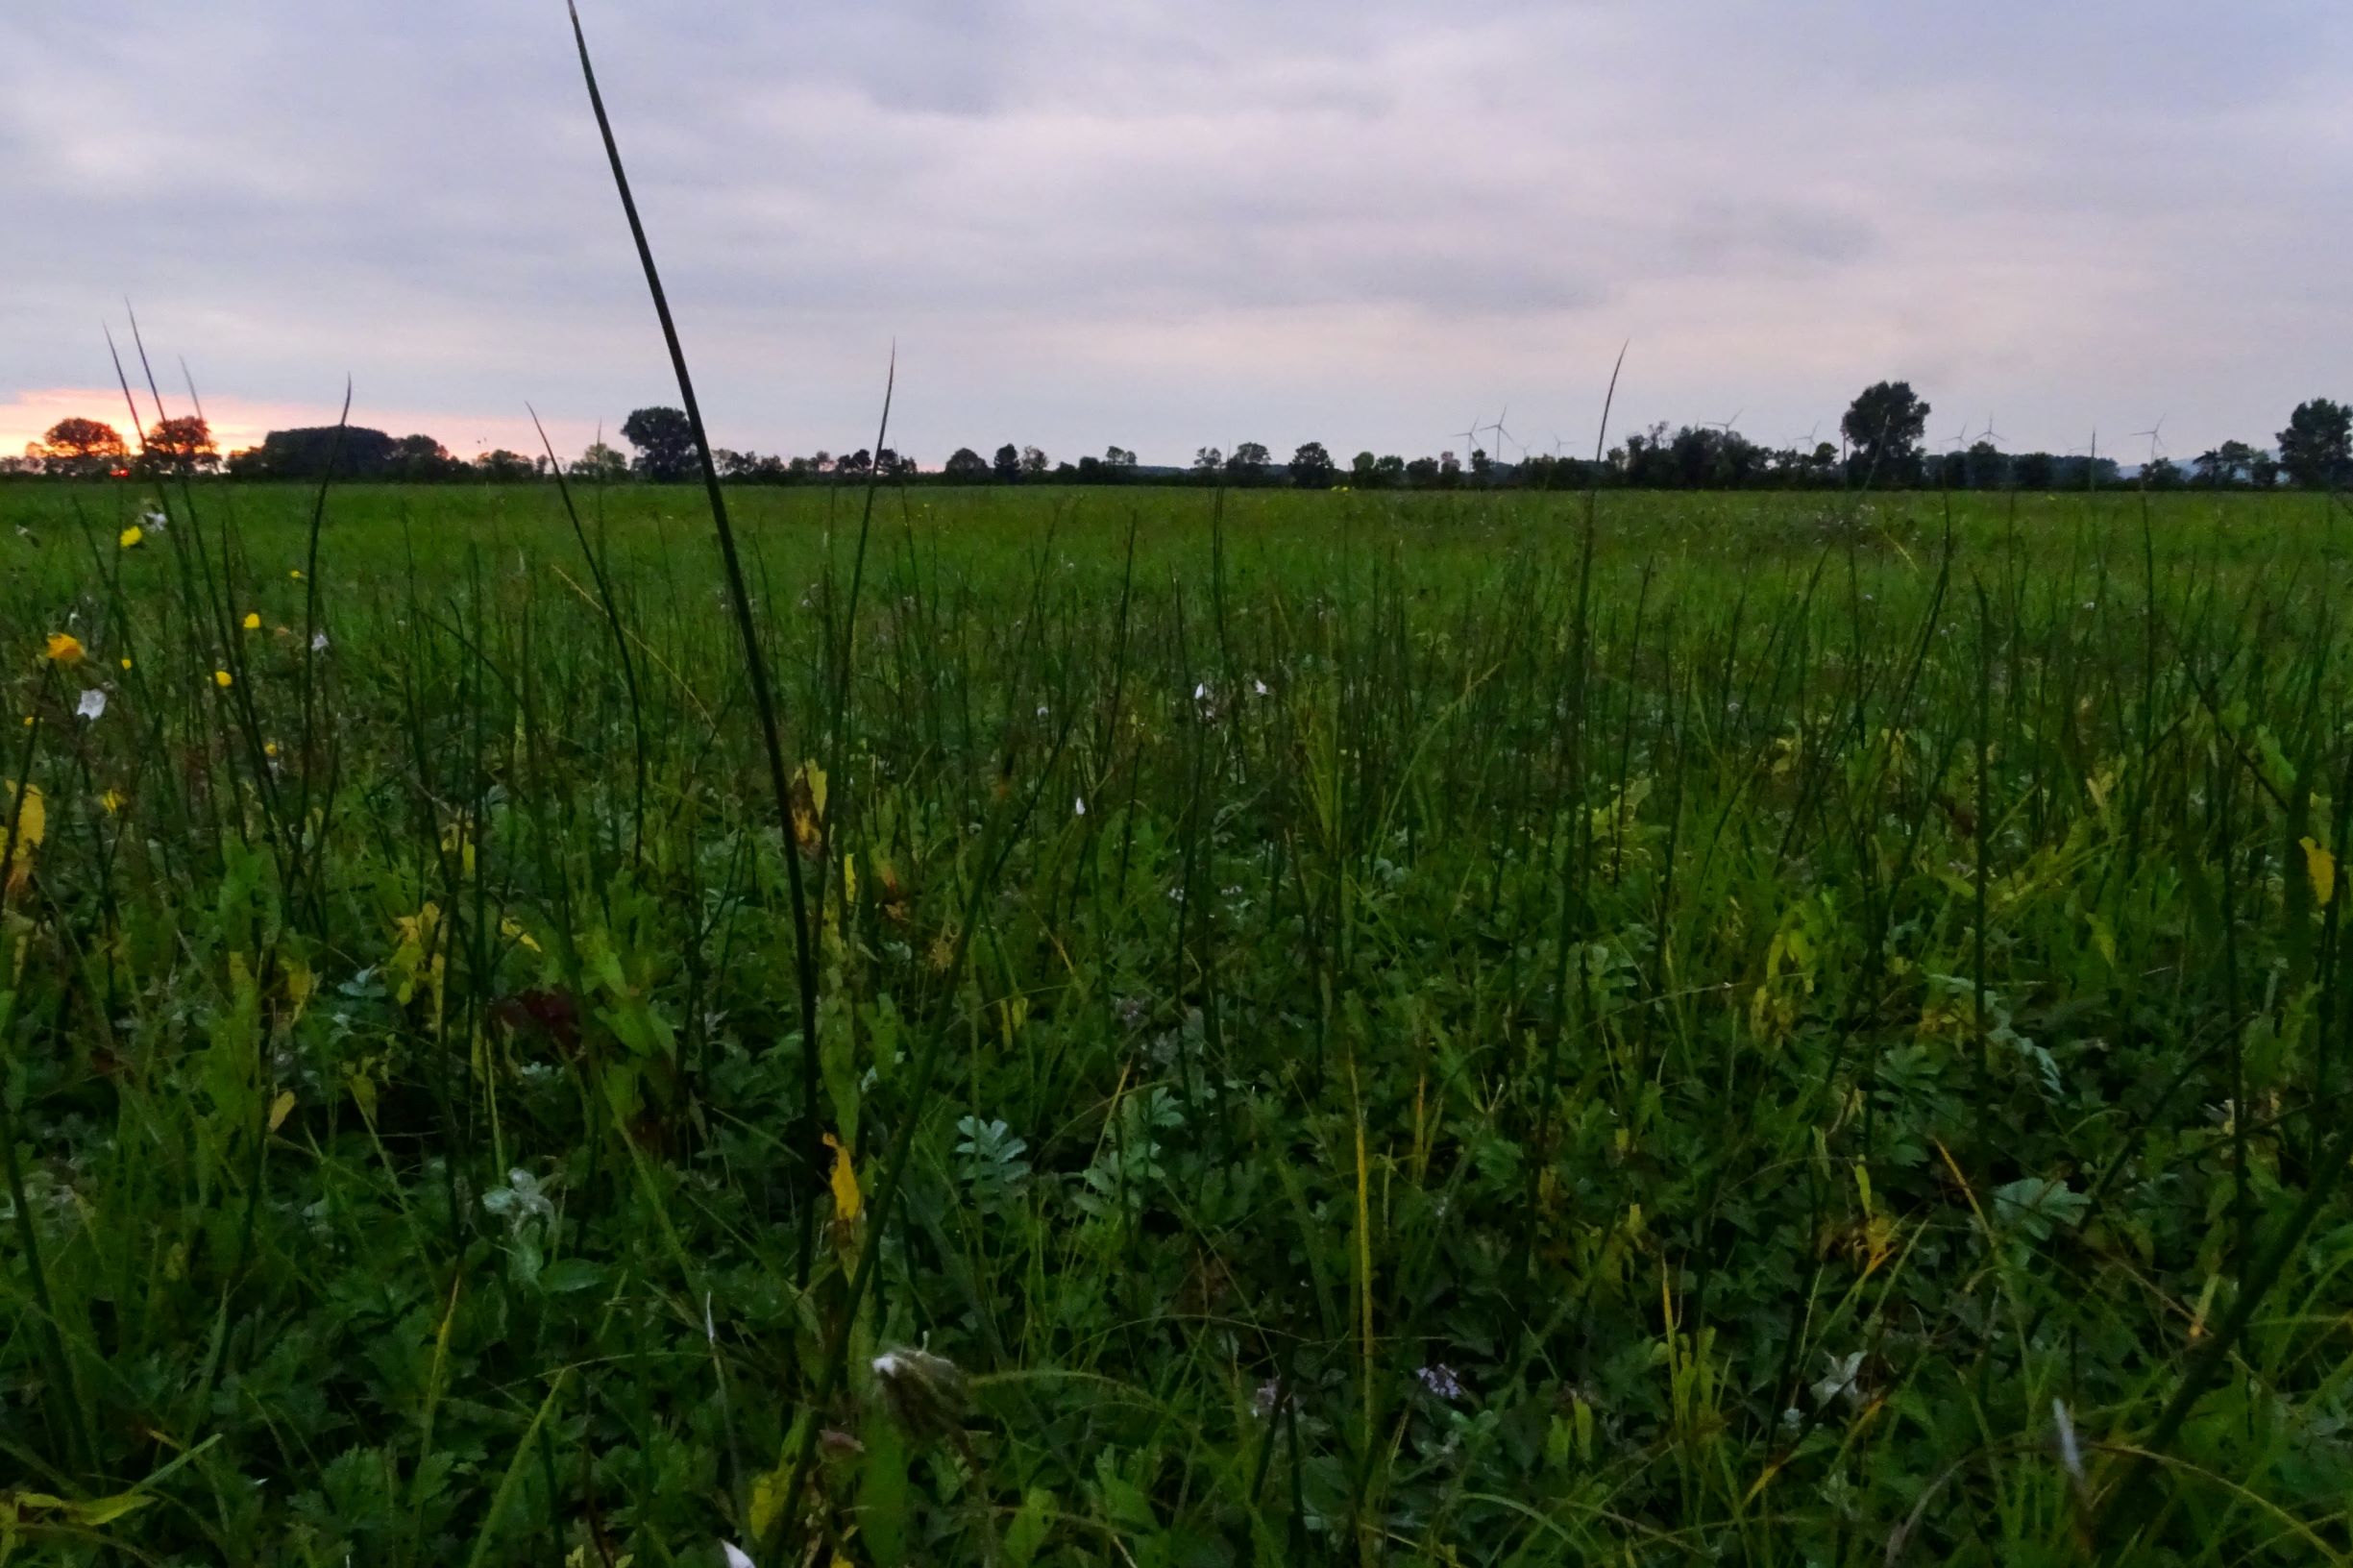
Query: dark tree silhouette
pixel 600 464
pixel 503 467
pixel 80 448
pixel 353 450
pixel 1312 467
pixel 665 443
pixel 421 458
pixel 2317 448
pixel 1883 427
pixel 183 446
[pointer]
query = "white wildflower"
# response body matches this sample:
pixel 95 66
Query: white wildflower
pixel 93 705
pixel 318 642
pixel 1440 1380
pixel 1078 806
pixel 520 1201
pixel 1844 1381
pixel 736 1556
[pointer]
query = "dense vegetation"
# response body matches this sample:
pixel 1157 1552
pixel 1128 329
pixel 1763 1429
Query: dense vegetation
pixel 1884 447
pixel 1778 1030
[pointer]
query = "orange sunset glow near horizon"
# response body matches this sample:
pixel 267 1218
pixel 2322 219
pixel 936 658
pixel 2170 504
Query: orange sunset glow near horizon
pixel 237 423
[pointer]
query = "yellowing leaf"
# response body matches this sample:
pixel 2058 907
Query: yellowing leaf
pixel 418 958
pixel 809 808
pixel 301 984
pixel 845 1198
pixel 768 1496
pixel 30 826
pixel 281 1108
pixel 2321 867
pixel 33 823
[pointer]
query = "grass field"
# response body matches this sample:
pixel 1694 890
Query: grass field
pixel 1792 1030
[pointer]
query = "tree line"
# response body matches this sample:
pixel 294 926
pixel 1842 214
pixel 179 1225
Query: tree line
pixel 1883 445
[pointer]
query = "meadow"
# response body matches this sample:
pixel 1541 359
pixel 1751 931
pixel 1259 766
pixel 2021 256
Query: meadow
pixel 1465 1028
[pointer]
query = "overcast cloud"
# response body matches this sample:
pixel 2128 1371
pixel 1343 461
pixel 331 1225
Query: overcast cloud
pixel 1167 226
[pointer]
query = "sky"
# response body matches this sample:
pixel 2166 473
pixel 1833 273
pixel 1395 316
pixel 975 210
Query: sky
pixel 1164 225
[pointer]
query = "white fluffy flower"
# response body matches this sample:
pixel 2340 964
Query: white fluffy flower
pixel 1844 1379
pixel 93 705
pixel 520 1202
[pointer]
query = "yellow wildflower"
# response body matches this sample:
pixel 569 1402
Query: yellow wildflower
pixel 131 537
pixel 64 647
pixel 223 679
pixel 252 619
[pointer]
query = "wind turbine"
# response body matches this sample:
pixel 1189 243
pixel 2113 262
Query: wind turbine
pixel 1503 435
pixel 2090 460
pixel 1470 437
